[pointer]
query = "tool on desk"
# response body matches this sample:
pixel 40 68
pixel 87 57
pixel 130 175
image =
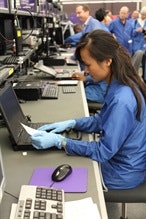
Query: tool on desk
pixel 14 116
pixel 18 35
pixel 55 73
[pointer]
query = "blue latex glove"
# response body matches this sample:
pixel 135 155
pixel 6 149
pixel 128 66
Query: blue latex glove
pixel 58 127
pixel 43 140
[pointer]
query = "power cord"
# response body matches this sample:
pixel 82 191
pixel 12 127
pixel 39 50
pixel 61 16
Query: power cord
pixel 11 194
pixel 2 122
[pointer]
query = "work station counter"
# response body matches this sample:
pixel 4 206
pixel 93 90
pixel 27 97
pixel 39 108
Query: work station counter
pixel 19 165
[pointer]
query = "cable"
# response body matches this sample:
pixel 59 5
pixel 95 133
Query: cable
pixel 8 40
pixel 32 26
pixel 11 194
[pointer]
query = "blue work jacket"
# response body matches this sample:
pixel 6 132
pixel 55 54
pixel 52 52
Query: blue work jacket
pixel 123 33
pixel 92 24
pixel 121 149
pixel 138 40
pixel 95 91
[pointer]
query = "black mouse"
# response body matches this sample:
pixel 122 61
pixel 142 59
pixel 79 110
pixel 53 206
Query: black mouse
pixel 61 172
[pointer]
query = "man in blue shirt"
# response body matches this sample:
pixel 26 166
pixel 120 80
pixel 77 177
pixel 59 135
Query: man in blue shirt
pixel 139 38
pixel 122 29
pixel 89 24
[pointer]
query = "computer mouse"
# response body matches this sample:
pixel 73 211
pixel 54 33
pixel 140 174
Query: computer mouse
pixel 61 172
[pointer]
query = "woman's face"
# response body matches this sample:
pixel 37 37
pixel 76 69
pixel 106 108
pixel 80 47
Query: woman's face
pixel 98 71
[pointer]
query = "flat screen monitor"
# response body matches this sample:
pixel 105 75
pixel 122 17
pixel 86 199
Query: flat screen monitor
pixel 6 36
pixel 28 4
pixel 3 4
pixel 23 5
pixel 2 177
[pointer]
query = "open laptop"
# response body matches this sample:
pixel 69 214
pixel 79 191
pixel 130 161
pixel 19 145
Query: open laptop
pixel 57 73
pixel 2 177
pixel 14 116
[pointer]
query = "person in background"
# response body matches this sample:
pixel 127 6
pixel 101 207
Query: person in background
pixel 122 30
pixel 89 24
pixel 110 15
pixel 95 91
pixel 77 28
pixel 139 38
pixel 135 14
pixel 121 148
pixel 101 16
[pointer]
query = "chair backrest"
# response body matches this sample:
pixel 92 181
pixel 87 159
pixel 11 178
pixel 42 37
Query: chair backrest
pixel 94 106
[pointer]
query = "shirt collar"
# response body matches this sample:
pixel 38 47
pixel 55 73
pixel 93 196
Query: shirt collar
pixel 87 21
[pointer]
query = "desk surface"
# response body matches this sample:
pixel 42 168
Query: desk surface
pixel 19 168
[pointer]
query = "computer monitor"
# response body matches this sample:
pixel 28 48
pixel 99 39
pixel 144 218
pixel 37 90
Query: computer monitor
pixel 28 5
pixel 6 36
pixel 42 7
pixel 2 177
pixel 3 4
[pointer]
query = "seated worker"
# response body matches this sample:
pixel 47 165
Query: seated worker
pixel 101 16
pixel 89 24
pixel 95 91
pixel 77 28
pixel 121 148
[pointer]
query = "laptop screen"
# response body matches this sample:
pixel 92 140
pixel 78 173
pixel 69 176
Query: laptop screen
pixel 11 111
pixel 2 177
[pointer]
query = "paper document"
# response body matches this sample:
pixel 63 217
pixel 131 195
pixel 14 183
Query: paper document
pixel 84 208
pixel 13 211
pixel 67 82
pixel 29 130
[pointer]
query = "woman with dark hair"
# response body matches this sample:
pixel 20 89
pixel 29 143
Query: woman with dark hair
pixel 121 148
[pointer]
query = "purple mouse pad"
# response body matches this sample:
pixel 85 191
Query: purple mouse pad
pixel 75 182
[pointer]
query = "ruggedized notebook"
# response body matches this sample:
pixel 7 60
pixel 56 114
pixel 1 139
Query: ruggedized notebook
pixel 14 116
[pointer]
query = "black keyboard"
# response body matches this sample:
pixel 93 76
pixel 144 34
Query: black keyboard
pixel 10 60
pixel 50 91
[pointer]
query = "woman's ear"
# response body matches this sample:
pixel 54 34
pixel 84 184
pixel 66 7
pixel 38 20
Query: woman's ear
pixel 109 61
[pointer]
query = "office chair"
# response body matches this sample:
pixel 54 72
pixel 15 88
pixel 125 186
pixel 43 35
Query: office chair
pixel 136 195
pixel 94 106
